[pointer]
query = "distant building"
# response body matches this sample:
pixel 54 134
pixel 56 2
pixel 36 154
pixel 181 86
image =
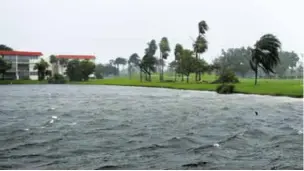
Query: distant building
pixel 61 69
pixel 22 64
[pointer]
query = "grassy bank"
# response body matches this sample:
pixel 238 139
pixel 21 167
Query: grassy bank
pixel 5 82
pixel 275 87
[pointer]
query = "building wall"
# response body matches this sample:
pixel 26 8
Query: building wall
pixel 24 65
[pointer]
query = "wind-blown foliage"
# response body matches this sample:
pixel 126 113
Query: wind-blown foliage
pixel 200 45
pixel 177 57
pixel 5 48
pixel 120 61
pixel 133 62
pixel 148 62
pixel 99 69
pixel 265 54
pixel 4 66
pixel 79 70
pixel 42 68
pixel 164 48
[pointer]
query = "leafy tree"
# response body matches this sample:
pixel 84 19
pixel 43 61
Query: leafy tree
pixel 300 71
pixel 133 62
pixel 87 67
pixel 148 62
pixel 236 59
pixel 42 68
pixel 164 53
pixel 63 61
pixel 265 54
pixel 74 71
pixel 200 45
pixel 288 60
pixel 109 70
pixel 54 63
pixel 120 61
pixel 5 48
pixel 188 64
pixel 177 54
pixel 4 66
pixel 99 71
pixel 79 70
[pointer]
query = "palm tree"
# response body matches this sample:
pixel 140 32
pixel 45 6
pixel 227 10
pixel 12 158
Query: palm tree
pixel 177 54
pixel 4 66
pixel 200 45
pixel 120 61
pixel 164 53
pixel 133 62
pixel 265 54
pixel 41 67
pixel 54 62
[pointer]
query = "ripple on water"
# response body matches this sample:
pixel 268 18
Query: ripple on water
pixel 109 127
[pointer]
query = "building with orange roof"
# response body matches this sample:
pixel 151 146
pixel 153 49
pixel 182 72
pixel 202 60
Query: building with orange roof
pixel 23 63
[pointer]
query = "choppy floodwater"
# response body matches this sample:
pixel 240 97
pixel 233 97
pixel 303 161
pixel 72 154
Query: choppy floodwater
pixel 111 127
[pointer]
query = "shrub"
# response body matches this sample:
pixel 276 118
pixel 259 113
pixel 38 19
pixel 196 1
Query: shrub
pixel 227 76
pixel 57 79
pixel 225 89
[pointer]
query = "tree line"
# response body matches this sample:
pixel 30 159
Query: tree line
pixel 264 59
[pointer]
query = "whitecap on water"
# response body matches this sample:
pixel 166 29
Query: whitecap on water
pixel 74 123
pixel 54 117
pixel 216 145
pixel 26 129
pixel 300 132
pixel 52 121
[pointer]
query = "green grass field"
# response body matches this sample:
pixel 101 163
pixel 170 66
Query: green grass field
pixel 275 87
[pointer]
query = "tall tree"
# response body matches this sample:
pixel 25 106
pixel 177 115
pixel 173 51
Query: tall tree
pixel 120 61
pixel 54 63
pixel 99 70
pixel 200 45
pixel 177 54
pixel 265 54
pixel 164 53
pixel 42 68
pixel 4 66
pixel 132 63
pixel 148 62
pixel 5 48
pixel 288 61
pixel 188 64
pixel 74 71
pixel 87 68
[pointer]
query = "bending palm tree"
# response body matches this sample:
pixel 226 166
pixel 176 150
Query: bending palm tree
pixel 265 54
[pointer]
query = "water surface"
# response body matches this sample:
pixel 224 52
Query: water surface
pixel 113 127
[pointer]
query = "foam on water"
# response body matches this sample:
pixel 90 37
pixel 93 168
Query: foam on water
pixel 130 128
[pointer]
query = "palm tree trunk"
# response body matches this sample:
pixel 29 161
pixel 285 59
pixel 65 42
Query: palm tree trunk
pixel 187 78
pixel 140 75
pixel 175 76
pixel 182 77
pixel 129 71
pixel 256 76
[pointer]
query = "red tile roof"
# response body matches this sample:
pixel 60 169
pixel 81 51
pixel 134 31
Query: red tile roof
pixel 20 53
pixel 76 56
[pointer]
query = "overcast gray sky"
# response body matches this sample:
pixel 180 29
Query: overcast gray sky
pixel 112 28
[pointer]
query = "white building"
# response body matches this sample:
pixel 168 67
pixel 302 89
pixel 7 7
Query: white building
pixel 22 64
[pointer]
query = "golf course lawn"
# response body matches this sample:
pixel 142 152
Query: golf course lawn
pixel 275 87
